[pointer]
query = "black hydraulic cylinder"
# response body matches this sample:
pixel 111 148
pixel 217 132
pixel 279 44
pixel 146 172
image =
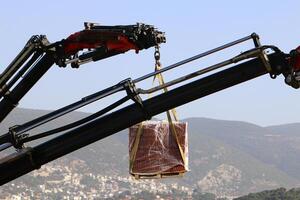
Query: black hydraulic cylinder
pixel 130 115
pixel 11 100
pixel 16 63
pixel 22 71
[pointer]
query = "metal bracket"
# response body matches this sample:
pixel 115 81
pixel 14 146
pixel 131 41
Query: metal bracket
pixel 263 55
pixel 133 94
pixel 90 25
pixel 16 139
pixel 131 91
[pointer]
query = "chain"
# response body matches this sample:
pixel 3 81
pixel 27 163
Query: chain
pixel 157 57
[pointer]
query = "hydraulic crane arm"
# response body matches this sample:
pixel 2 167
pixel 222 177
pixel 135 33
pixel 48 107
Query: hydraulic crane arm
pixel 99 41
pixel 257 64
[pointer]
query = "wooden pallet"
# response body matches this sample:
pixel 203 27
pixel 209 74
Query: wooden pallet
pixel 158 176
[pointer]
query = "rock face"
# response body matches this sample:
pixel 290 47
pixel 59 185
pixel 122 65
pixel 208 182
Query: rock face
pixel 222 181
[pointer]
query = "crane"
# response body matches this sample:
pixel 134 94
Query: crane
pixel 255 62
pixel 38 55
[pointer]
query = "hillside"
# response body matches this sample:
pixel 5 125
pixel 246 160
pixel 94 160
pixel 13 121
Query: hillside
pixel 278 194
pixel 227 158
pixel 276 145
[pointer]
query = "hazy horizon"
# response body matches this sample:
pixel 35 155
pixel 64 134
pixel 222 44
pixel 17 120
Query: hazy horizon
pixel 161 117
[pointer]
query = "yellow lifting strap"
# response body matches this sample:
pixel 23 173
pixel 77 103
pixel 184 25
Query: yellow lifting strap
pixel 162 82
pixel 169 116
pixel 135 146
pixel 170 113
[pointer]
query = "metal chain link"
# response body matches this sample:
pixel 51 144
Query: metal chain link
pixel 157 57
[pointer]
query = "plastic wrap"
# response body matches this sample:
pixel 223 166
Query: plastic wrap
pixel 154 149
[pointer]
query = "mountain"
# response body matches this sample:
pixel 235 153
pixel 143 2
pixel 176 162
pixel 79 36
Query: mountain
pixel 286 129
pixel 276 145
pixel 227 158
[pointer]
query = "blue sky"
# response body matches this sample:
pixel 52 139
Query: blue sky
pixel 191 27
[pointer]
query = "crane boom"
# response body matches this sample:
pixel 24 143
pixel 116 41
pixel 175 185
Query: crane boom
pixel 96 127
pixel 32 158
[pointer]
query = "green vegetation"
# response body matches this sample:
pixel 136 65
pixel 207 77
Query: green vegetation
pixel 278 194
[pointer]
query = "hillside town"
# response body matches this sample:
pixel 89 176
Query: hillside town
pixel 54 181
